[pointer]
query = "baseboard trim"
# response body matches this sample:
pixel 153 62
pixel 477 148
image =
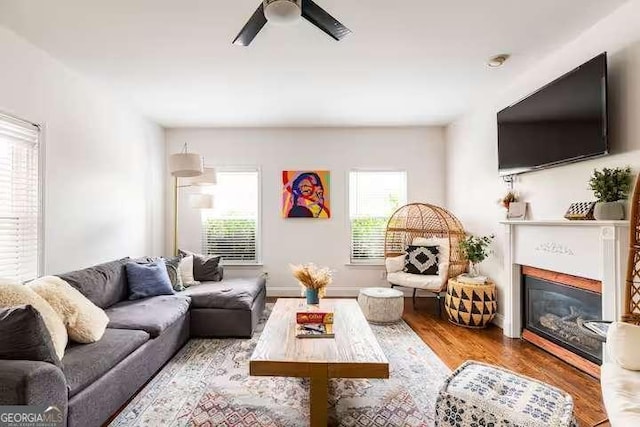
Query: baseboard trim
pixel 499 321
pixel 335 292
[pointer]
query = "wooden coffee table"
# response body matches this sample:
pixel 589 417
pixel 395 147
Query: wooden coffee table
pixel 353 353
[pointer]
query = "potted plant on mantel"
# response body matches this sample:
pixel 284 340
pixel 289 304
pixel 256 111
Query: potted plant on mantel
pixel 476 249
pixel 611 187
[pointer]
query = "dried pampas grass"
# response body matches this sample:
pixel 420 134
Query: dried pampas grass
pixel 311 276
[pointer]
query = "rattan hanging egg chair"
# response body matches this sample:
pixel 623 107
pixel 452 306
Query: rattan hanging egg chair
pixel 424 224
pixel 632 297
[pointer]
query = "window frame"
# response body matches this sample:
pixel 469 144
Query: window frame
pixel 41 130
pixel 258 261
pixel 370 262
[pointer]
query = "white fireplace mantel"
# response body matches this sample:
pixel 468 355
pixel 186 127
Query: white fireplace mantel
pixel 592 249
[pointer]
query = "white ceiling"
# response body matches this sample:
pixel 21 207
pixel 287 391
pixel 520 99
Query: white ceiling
pixel 410 62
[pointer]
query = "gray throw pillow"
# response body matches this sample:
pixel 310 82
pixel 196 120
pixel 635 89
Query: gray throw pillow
pixel 205 268
pixel 24 336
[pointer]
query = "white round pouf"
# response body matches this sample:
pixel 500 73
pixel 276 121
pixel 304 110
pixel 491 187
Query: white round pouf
pixel 381 305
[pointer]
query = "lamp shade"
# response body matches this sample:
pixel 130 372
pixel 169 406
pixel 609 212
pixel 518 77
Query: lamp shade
pixel 185 165
pixel 201 201
pixel 208 177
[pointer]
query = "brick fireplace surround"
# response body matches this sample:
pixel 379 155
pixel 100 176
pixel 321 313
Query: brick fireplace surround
pixel 589 255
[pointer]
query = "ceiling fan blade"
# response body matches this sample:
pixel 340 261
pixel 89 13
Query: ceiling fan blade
pixel 321 19
pixel 251 28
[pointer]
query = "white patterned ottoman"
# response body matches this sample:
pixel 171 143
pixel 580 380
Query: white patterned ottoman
pixel 477 394
pixel 381 305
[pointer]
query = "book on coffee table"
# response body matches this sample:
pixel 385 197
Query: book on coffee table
pixel 314 317
pixel 315 330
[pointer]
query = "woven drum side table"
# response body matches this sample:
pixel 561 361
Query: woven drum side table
pixel 470 305
pixel 381 305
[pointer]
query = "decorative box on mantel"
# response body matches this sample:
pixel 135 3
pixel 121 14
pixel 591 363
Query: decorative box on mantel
pixel 561 272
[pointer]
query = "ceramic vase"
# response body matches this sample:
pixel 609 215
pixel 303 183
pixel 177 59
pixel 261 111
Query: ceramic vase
pixel 608 211
pixel 313 297
pixel 474 269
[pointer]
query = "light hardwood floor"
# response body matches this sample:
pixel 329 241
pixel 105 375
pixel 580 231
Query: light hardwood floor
pixel 454 344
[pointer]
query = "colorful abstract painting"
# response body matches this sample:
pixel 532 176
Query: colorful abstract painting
pixel 305 194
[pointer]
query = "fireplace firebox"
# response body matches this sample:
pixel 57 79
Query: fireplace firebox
pixel 553 311
pixel 554 305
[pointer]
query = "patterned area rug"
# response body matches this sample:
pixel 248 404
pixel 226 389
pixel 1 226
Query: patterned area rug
pixel 208 384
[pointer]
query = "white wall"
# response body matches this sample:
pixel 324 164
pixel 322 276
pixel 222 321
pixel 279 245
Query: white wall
pixel 419 151
pixel 105 164
pixel 473 185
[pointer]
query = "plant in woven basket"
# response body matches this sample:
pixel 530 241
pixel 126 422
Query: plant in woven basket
pixel 476 249
pixel 610 186
pixel 313 280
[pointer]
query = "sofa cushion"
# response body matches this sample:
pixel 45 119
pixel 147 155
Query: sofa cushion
pixel 85 363
pixel 24 336
pixel 234 294
pixel 104 284
pixel 620 394
pixel 152 315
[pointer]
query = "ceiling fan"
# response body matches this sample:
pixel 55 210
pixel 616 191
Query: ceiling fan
pixel 286 11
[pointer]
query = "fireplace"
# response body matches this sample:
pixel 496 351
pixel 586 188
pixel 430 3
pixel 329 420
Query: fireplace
pixel 553 306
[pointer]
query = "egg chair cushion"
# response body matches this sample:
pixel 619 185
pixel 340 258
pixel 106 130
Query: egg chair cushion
pixel 419 281
pixel 394 264
pixel 441 242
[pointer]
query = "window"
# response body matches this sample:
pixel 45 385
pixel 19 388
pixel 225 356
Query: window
pixel 373 197
pixel 19 200
pixel 231 228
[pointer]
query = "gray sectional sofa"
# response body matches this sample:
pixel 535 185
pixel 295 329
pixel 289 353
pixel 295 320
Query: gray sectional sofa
pixel 97 379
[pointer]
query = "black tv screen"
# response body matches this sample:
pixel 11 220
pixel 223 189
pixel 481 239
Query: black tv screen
pixel 565 121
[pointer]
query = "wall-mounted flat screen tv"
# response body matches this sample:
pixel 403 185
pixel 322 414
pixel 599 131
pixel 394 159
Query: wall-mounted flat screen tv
pixel 565 121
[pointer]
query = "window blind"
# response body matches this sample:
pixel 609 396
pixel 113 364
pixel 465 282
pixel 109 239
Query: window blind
pixel 373 197
pixel 231 228
pixel 19 200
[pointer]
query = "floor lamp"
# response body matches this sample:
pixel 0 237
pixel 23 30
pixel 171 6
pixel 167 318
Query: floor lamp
pixel 189 166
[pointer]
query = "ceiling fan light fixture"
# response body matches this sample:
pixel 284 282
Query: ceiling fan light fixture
pixel 498 60
pixel 282 11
